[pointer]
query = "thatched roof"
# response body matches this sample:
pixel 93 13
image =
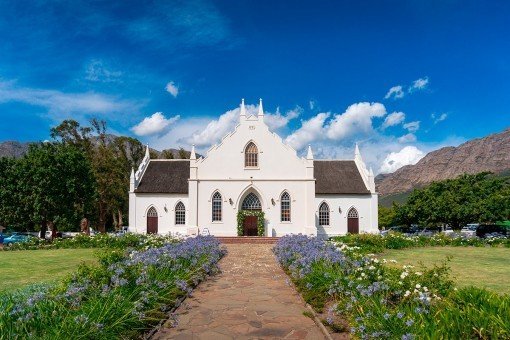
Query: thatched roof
pixel 338 177
pixel 168 176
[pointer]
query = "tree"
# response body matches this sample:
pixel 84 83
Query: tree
pixel 457 202
pixel 167 154
pixel 386 217
pixel 11 209
pixel 183 154
pixel 53 182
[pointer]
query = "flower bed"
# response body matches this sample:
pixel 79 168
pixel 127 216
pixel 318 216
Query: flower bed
pixel 129 240
pixel 378 301
pixel 122 297
pixel 370 243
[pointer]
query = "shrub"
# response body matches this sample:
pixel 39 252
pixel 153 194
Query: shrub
pixel 125 294
pixel 380 301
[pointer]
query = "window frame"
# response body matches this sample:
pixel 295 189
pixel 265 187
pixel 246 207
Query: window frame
pixel 285 212
pixel 324 214
pixel 251 156
pixel 180 214
pixel 217 207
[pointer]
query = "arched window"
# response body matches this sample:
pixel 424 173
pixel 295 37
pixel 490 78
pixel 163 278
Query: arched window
pixel 251 202
pixel 180 214
pixel 285 207
pixel 324 214
pixel 251 155
pixel 353 213
pixel 152 212
pixel 216 207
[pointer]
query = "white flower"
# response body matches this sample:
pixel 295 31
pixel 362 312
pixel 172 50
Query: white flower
pixel 418 286
pixel 407 293
pixel 419 273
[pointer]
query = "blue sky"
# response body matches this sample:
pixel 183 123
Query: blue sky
pixel 172 73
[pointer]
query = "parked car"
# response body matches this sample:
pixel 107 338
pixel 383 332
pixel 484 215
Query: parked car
pixel 16 238
pixel 469 230
pixel 1 238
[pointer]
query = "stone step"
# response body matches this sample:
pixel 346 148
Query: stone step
pixel 247 239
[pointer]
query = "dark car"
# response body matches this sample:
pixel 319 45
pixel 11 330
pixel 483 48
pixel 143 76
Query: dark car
pixel 485 230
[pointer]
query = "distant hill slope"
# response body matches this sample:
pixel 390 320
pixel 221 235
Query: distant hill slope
pixel 18 149
pixel 491 153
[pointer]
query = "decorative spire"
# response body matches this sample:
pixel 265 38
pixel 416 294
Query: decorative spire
pixel 309 154
pixel 147 152
pixel 132 177
pixel 261 109
pixel 193 155
pixel 243 108
pixel 371 172
pixel 356 151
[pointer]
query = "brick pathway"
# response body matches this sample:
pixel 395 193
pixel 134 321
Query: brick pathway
pixel 249 299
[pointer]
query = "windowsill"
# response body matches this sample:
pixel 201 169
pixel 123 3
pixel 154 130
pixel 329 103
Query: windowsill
pixel 251 168
pixel 286 222
pixel 217 222
pixel 180 225
pixel 325 226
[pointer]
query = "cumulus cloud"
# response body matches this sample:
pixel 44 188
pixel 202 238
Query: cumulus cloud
pixel 396 92
pixel 217 128
pixel 439 118
pixel 412 126
pixel 62 105
pixel 277 120
pixel 156 124
pixel 419 84
pixel 357 119
pixel 309 131
pixel 393 119
pixel 406 156
pixel 407 138
pixel 172 88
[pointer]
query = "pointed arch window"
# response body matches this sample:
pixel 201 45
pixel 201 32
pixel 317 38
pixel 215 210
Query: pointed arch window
pixel 324 214
pixel 251 202
pixel 353 213
pixel 251 156
pixel 180 214
pixel 216 207
pixel 285 207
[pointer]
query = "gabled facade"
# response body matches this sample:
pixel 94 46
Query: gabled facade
pixel 252 169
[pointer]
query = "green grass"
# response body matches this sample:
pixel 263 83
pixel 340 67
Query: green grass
pixel 482 267
pixel 20 268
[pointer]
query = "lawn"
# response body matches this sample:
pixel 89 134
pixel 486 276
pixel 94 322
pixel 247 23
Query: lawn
pixel 482 267
pixel 19 268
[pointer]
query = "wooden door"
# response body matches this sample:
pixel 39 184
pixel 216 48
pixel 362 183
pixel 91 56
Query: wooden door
pixel 250 226
pixel 353 225
pixel 152 224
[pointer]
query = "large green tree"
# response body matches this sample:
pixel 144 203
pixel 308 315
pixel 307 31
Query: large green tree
pixel 467 199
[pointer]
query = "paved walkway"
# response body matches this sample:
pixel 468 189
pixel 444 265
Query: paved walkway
pixel 250 299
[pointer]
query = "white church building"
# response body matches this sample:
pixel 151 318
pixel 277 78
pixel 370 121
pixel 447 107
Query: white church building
pixel 253 184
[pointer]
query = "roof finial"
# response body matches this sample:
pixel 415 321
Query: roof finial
pixel 192 154
pixel 243 108
pixel 261 109
pixel 147 152
pixel 309 154
pixel 356 150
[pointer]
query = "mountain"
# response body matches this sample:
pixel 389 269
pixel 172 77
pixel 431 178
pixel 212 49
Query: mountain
pixel 491 153
pixel 18 149
pixel 13 149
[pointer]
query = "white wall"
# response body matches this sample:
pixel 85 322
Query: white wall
pixel 338 220
pixel 166 218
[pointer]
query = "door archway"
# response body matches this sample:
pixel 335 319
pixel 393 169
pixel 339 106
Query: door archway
pixel 250 224
pixel 353 221
pixel 152 221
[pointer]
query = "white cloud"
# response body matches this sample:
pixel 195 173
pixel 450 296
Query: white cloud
pixel 441 117
pixel 98 72
pixel 276 120
pixel 396 91
pixel 393 119
pixel 309 131
pixel 406 156
pixel 172 89
pixel 156 124
pixel 412 126
pixel 311 103
pixel 419 84
pixel 407 138
pixel 357 119
pixel 62 105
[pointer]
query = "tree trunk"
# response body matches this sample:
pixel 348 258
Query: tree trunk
pixel 121 220
pixel 43 230
pixel 115 222
pixel 102 219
